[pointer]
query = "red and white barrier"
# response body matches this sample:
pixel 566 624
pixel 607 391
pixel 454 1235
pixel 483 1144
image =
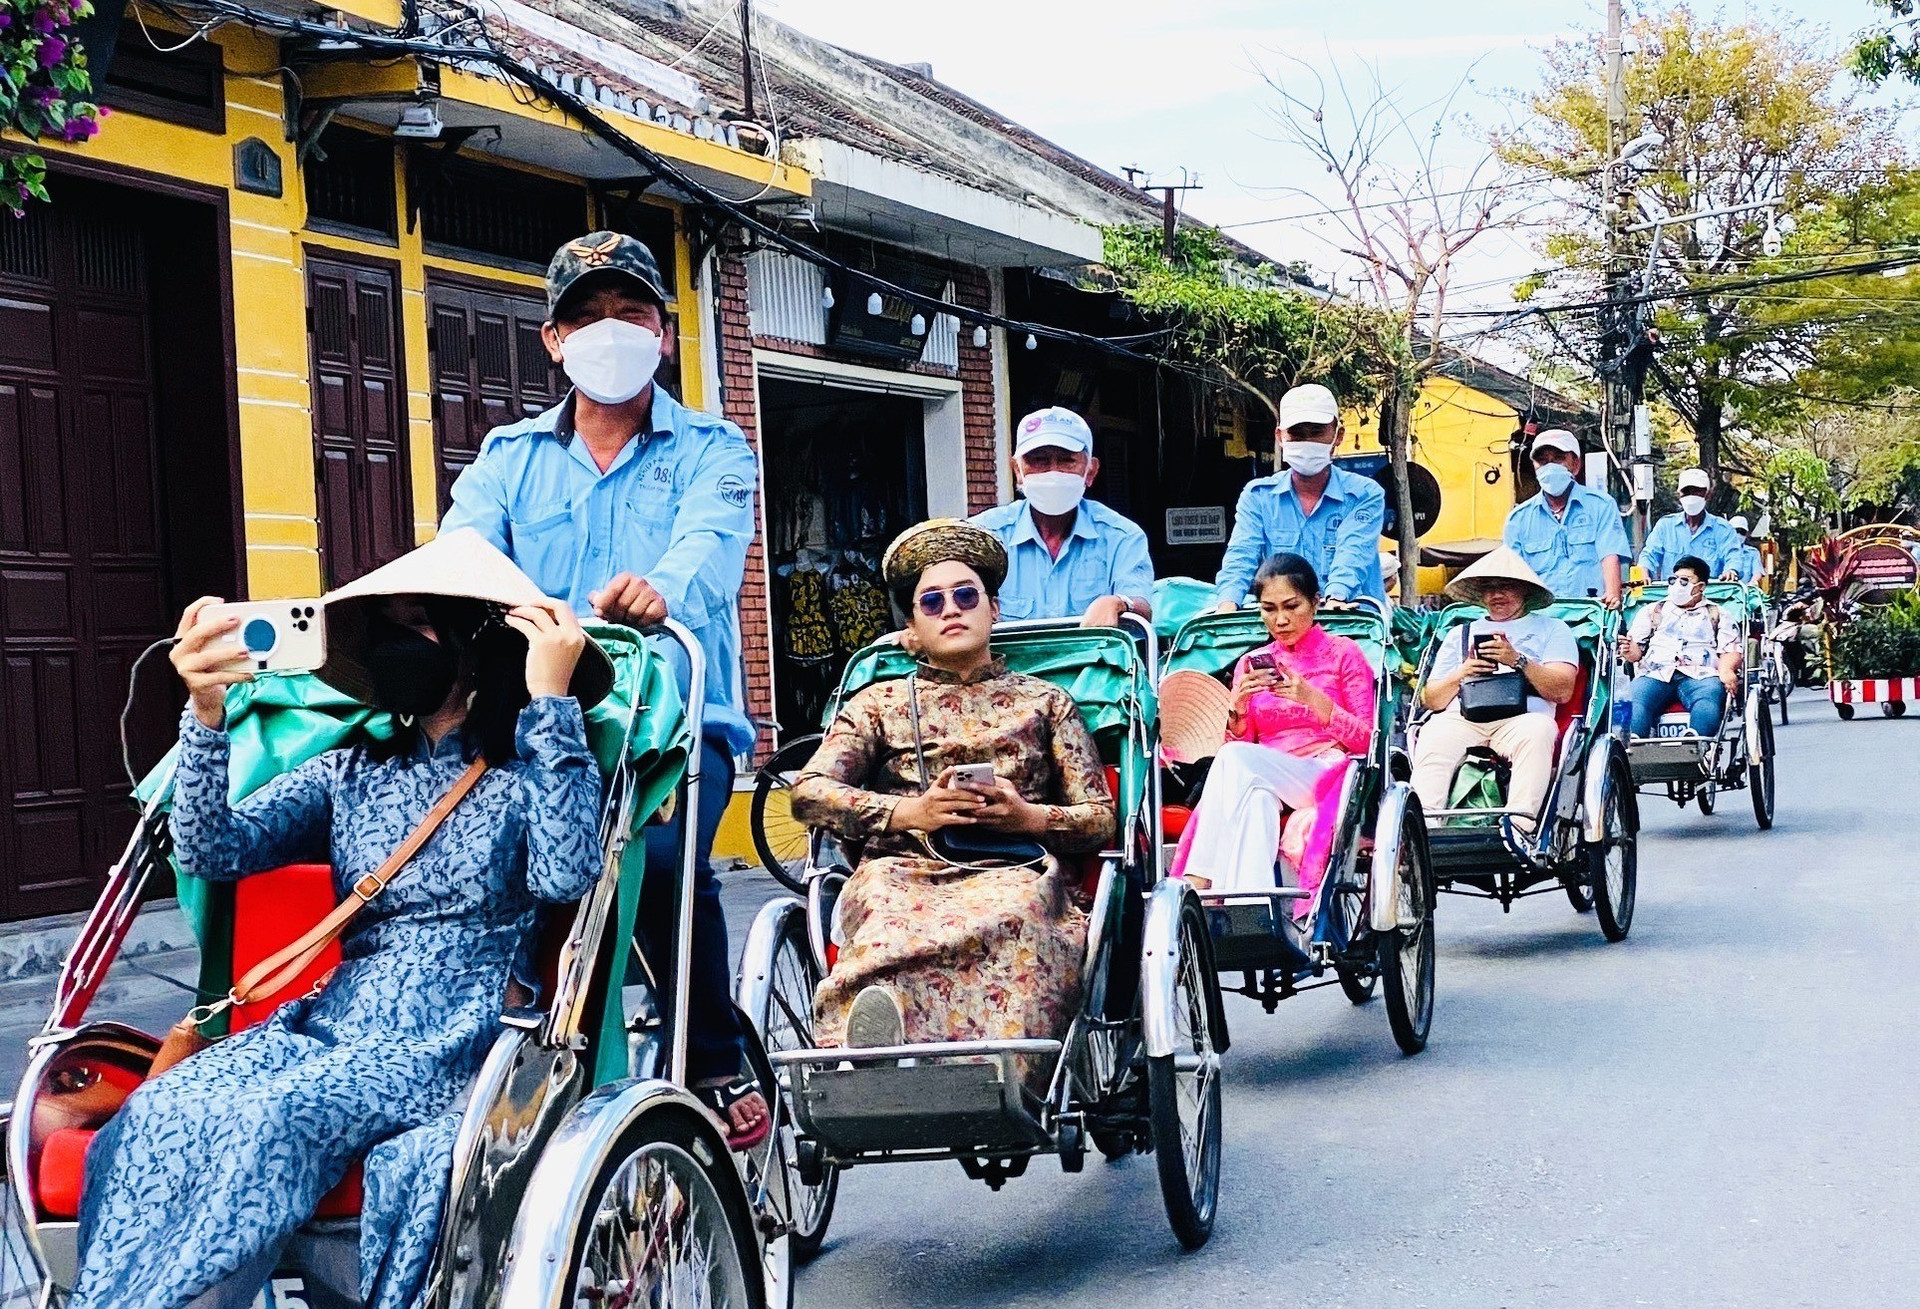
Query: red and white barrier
pixel 1874 690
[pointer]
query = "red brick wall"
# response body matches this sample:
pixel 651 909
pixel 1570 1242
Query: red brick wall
pixel 976 396
pixel 741 404
pixel 737 379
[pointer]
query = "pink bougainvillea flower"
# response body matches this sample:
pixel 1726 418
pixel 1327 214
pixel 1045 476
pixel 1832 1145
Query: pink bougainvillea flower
pixel 52 51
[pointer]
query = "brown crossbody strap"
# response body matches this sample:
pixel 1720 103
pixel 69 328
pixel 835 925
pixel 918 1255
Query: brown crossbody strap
pixel 279 969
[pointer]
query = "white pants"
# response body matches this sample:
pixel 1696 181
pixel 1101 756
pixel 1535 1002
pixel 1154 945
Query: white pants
pixel 1526 741
pixel 1237 824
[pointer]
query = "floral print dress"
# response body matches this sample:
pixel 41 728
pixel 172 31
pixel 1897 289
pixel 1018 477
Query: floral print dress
pixel 209 1167
pixel 989 954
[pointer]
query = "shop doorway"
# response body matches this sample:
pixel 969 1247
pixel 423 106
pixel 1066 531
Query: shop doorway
pixel 846 472
pixel 117 480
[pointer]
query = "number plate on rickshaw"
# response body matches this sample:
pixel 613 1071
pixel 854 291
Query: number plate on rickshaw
pixel 1668 730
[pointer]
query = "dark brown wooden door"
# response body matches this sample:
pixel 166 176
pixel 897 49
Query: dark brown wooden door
pixel 359 418
pixel 83 575
pixel 489 368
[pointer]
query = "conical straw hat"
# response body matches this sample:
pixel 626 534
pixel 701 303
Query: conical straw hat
pixel 462 564
pixel 1502 564
pixel 1193 716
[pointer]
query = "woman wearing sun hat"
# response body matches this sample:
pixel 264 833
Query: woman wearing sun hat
pixel 209 1167
pixel 973 946
pixel 1514 637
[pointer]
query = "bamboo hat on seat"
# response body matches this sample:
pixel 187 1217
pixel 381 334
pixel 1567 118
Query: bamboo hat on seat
pixel 1501 564
pixel 1193 716
pixel 461 565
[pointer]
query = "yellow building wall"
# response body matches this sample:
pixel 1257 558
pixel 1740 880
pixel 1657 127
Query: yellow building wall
pixel 1462 437
pixel 268 237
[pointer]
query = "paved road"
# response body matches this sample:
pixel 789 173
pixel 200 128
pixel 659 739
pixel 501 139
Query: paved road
pixel 1719 1111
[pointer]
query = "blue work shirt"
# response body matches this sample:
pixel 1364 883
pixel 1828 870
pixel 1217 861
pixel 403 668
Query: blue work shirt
pixel 1567 550
pixel 1105 554
pixel 1340 538
pixel 675 507
pixel 1746 561
pixel 1671 540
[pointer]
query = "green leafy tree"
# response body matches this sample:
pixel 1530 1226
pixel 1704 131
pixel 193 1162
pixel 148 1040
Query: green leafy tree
pixel 1801 502
pixel 1746 113
pixel 1890 48
pixel 1251 327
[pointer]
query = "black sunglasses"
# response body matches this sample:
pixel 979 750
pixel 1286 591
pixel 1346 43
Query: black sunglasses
pixel 934 603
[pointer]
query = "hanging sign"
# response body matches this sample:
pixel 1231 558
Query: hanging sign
pixel 1197 525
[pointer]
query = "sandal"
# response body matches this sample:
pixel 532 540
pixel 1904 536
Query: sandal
pixel 722 1099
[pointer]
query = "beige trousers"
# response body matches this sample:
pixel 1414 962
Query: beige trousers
pixel 1525 741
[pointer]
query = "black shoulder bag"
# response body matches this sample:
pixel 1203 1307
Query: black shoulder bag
pixel 1490 697
pixel 962 846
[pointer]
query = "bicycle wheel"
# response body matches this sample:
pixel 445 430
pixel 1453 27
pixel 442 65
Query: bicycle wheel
pixel 778 837
pixel 787 1024
pixel 660 1229
pixel 1183 1096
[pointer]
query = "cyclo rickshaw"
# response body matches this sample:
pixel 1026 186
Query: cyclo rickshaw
pixel 1137 1070
pixel 1585 840
pixel 1689 767
pixel 1373 915
pixel 583 1170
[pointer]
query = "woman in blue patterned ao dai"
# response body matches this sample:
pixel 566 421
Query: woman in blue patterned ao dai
pixel 210 1167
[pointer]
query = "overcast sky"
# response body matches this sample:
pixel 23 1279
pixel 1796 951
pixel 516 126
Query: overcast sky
pixel 1169 85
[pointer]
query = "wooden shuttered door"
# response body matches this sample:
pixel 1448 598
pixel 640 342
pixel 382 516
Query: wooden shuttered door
pixel 83 575
pixel 489 368
pixel 359 417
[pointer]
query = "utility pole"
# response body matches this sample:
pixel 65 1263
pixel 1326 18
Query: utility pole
pixel 746 56
pixel 1169 214
pixel 1617 400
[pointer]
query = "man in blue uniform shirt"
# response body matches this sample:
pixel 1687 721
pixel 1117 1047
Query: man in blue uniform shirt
pixel 1067 556
pixel 1327 515
pixel 1569 534
pixel 634 508
pixel 1746 557
pixel 1692 531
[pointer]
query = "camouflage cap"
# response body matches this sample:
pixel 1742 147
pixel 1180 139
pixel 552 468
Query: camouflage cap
pixel 602 252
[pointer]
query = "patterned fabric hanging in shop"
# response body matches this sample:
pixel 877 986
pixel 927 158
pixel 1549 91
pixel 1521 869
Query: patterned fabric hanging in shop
pixel 809 636
pixel 861 611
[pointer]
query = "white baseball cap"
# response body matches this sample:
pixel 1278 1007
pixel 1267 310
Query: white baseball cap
pixel 1311 403
pixel 1555 438
pixel 1058 427
pixel 1695 477
pixel 1740 523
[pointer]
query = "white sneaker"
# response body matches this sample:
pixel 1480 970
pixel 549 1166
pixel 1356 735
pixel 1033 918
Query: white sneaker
pixel 875 1019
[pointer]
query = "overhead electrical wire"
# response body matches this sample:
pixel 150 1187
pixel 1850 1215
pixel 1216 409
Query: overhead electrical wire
pixel 388 43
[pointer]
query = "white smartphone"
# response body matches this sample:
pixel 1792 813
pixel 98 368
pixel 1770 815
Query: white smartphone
pixel 978 776
pixel 280 636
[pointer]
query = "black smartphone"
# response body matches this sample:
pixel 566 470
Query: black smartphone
pixel 1264 662
pixel 1480 644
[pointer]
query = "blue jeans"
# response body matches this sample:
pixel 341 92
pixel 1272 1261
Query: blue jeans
pixel 714 1046
pixel 1704 698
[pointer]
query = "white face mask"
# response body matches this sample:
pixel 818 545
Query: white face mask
pixel 611 361
pixel 1693 505
pixel 1683 591
pixel 1307 458
pixel 1555 479
pixel 1054 494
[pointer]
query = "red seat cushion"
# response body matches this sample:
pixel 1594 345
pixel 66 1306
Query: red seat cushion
pixel 63 1169
pixel 1575 707
pixel 271 910
pixel 1173 820
pixel 63 1166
